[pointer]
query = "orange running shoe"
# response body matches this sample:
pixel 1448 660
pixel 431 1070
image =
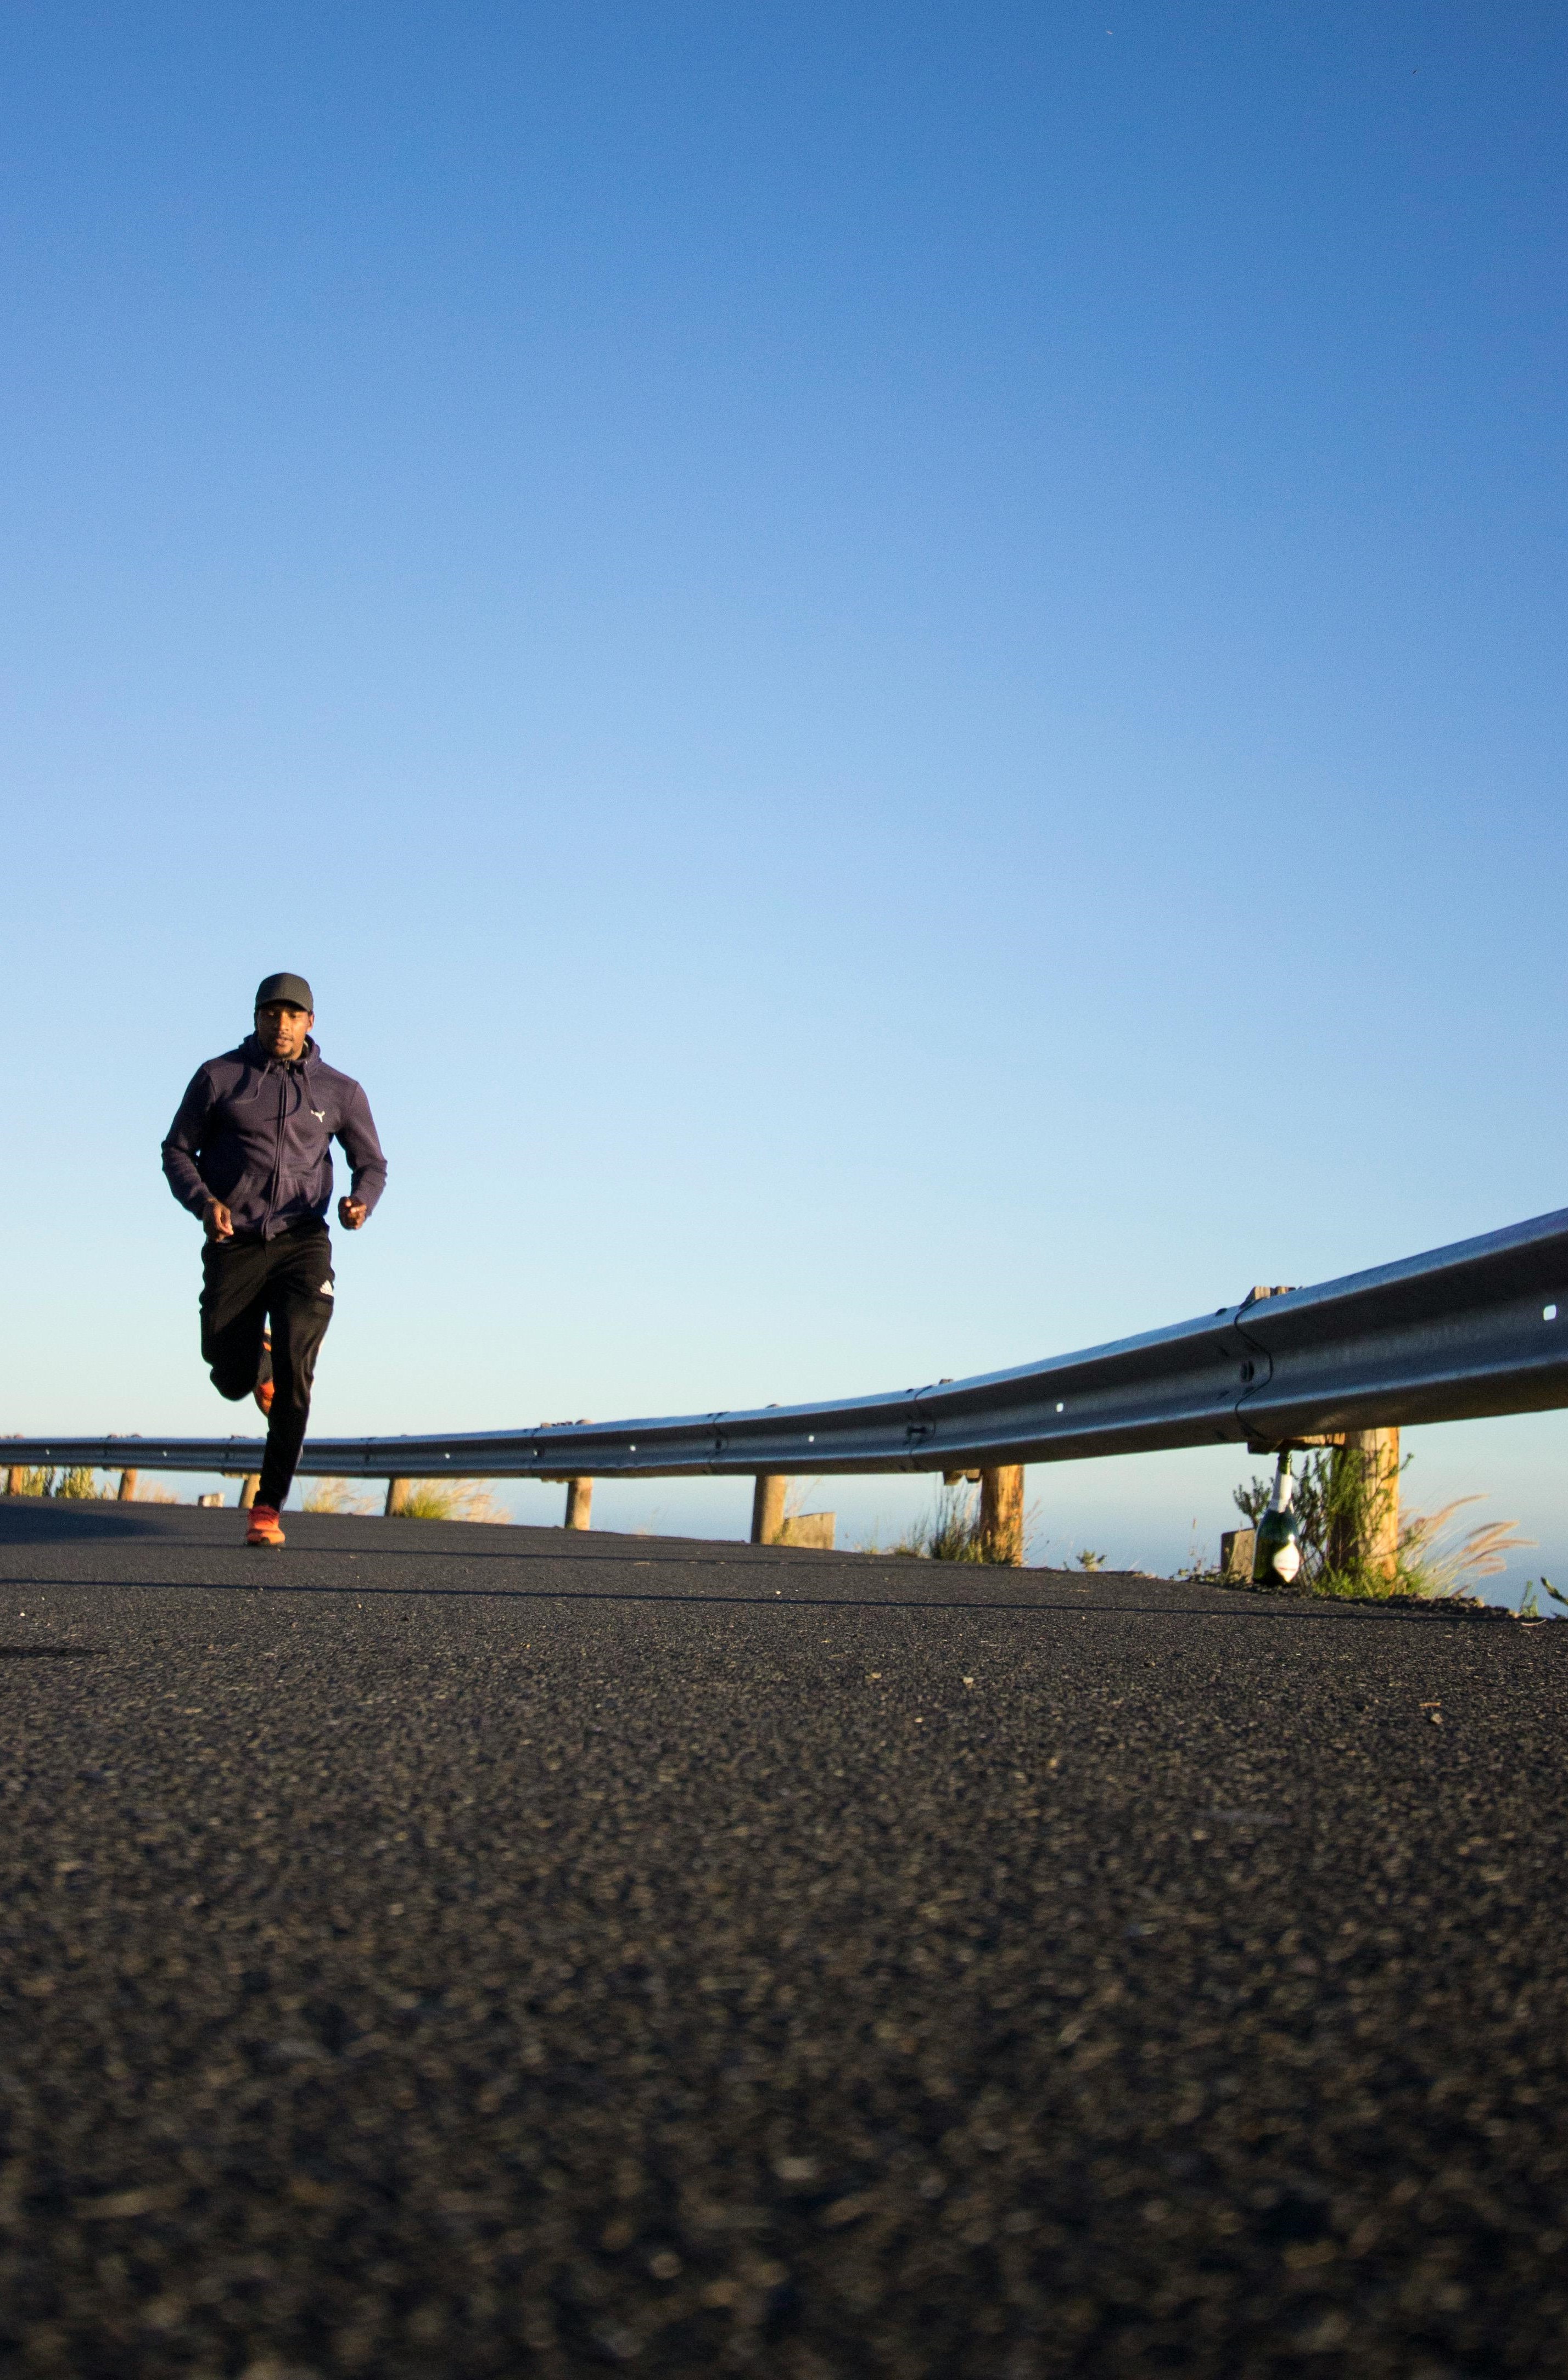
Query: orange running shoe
pixel 263 1529
pixel 263 1391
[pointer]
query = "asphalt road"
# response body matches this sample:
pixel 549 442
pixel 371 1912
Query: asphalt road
pixel 441 1949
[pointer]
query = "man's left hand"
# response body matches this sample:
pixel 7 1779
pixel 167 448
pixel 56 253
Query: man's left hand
pixel 351 1212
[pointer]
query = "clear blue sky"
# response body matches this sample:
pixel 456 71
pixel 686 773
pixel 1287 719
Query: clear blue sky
pixel 899 671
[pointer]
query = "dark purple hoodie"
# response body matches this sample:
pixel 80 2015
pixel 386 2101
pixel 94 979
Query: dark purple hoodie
pixel 255 1132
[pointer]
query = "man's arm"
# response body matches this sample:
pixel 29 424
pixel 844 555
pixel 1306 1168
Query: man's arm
pixel 368 1176
pixel 181 1171
pixel 182 1140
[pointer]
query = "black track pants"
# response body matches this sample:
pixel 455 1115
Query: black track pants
pixel 246 1283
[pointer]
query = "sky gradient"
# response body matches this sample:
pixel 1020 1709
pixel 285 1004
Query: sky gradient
pixel 898 670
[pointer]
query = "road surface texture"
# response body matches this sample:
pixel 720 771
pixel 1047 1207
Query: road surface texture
pixel 452 1949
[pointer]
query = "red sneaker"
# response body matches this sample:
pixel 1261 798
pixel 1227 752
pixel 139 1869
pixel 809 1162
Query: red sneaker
pixel 263 1391
pixel 263 1529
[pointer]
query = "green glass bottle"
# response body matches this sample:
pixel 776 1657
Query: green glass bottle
pixel 1277 1556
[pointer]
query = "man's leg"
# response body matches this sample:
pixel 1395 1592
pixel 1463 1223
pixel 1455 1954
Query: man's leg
pixel 234 1313
pixel 300 1270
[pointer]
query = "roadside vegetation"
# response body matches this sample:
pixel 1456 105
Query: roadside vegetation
pixel 448 1499
pixel 1341 1504
pixel 72 1481
pixel 334 1496
pixel 952 1530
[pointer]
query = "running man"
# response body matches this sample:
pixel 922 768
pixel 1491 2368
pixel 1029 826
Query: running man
pixel 249 1152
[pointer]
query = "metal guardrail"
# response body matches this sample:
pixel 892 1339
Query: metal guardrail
pixel 1478 1328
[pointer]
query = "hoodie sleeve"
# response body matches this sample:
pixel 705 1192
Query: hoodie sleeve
pixel 182 1141
pixel 358 1134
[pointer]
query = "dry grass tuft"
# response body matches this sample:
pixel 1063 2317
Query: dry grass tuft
pixel 25 1481
pixel 333 1496
pixel 451 1499
pixel 950 1531
pixel 1434 1561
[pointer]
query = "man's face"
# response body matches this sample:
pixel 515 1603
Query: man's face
pixel 283 1030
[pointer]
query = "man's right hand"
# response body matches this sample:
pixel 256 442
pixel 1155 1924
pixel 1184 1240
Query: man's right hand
pixel 216 1220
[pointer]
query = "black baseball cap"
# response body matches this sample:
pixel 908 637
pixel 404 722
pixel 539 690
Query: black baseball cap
pixel 292 991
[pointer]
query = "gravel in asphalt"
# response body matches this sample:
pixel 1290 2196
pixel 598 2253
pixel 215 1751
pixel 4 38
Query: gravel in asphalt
pixel 451 1950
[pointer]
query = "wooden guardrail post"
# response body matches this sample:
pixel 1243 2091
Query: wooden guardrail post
pixel 1364 1534
pixel 579 1504
pixel 125 1492
pixel 1001 1513
pixel 397 1496
pixel 250 1488
pixel 767 1509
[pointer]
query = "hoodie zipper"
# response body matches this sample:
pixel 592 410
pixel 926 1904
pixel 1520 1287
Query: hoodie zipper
pixel 283 1072
pixel 286 1069
pixel 277 1163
